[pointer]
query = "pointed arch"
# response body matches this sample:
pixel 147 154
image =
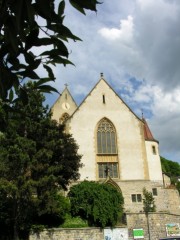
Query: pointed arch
pixel 106 137
pixel 106 149
pixel 110 181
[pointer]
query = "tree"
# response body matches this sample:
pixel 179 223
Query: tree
pixel 149 206
pixel 26 25
pixel 148 201
pixel 37 160
pixel 170 168
pixel 100 204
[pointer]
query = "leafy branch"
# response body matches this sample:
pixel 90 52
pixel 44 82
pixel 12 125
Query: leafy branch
pixel 20 32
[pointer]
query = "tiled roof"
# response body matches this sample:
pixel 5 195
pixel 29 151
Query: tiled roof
pixel 147 132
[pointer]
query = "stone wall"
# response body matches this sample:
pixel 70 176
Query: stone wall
pixel 154 224
pixel 70 234
pixel 167 200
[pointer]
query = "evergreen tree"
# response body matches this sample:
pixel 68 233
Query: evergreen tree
pixel 37 160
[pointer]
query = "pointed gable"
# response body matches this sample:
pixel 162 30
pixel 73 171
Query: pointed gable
pixel 64 105
pixel 104 97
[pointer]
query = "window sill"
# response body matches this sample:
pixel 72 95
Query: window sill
pixel 106 154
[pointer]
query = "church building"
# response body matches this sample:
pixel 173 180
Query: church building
pixel 117 147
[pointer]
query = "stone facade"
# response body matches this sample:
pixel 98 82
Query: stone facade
pixel 154 224
pixel 69 234
pixel 136 159
pixel 166 200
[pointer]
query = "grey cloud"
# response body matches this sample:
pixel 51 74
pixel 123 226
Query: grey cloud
pixel 153 54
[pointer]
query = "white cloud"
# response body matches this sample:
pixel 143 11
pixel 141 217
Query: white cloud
pixel 124 33
pixel 127 39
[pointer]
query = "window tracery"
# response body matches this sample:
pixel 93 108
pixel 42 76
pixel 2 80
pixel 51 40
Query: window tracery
pixel 106 138
pixel 106 150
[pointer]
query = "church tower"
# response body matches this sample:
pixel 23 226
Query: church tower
pixel 64 106
pixel 153 157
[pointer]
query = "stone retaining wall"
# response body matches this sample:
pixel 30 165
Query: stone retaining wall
pixel 156 222
pixel 154 226
pixel 70 234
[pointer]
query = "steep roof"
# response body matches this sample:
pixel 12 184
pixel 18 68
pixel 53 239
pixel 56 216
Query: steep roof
pixel 62 95
pixel 147 132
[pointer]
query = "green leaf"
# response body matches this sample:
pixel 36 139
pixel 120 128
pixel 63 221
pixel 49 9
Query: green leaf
pixel 29 73
pixel 11 35
pixel 29 58
pixel 7 81
pixel 60 60
pixel 77 6
pixel 3 51
pixel 43 41
pixel 30 12
pixel 55 52
pixel 32 38
pixel 36 64
pixel 44 8
pixel 23 96
pixel 18 10
pixel 61 8
pixel 41 81
pixel 14 62
pixel 50 72
pixel 64 32
pixel 47 89
pixel 85 4
pixel 11 95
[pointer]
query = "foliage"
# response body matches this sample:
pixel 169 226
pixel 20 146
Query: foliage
pixel 26 28
pixel 171 168
pixel 74 222
pixel 99 204
pixel 37 228
pixel 37 160
pixel 148 201
pixel 54 210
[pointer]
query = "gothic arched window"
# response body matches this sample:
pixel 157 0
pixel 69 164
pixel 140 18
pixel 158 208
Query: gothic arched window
pixel 106 138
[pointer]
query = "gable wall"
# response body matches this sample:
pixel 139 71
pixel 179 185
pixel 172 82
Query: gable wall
pixel 130 141
pixel 58 108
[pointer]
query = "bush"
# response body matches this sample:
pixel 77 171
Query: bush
pixel 99 204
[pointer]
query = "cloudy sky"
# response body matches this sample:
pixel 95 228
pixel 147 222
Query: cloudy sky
pixel 136 44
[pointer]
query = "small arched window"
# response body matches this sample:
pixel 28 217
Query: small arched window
pixel 106 138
